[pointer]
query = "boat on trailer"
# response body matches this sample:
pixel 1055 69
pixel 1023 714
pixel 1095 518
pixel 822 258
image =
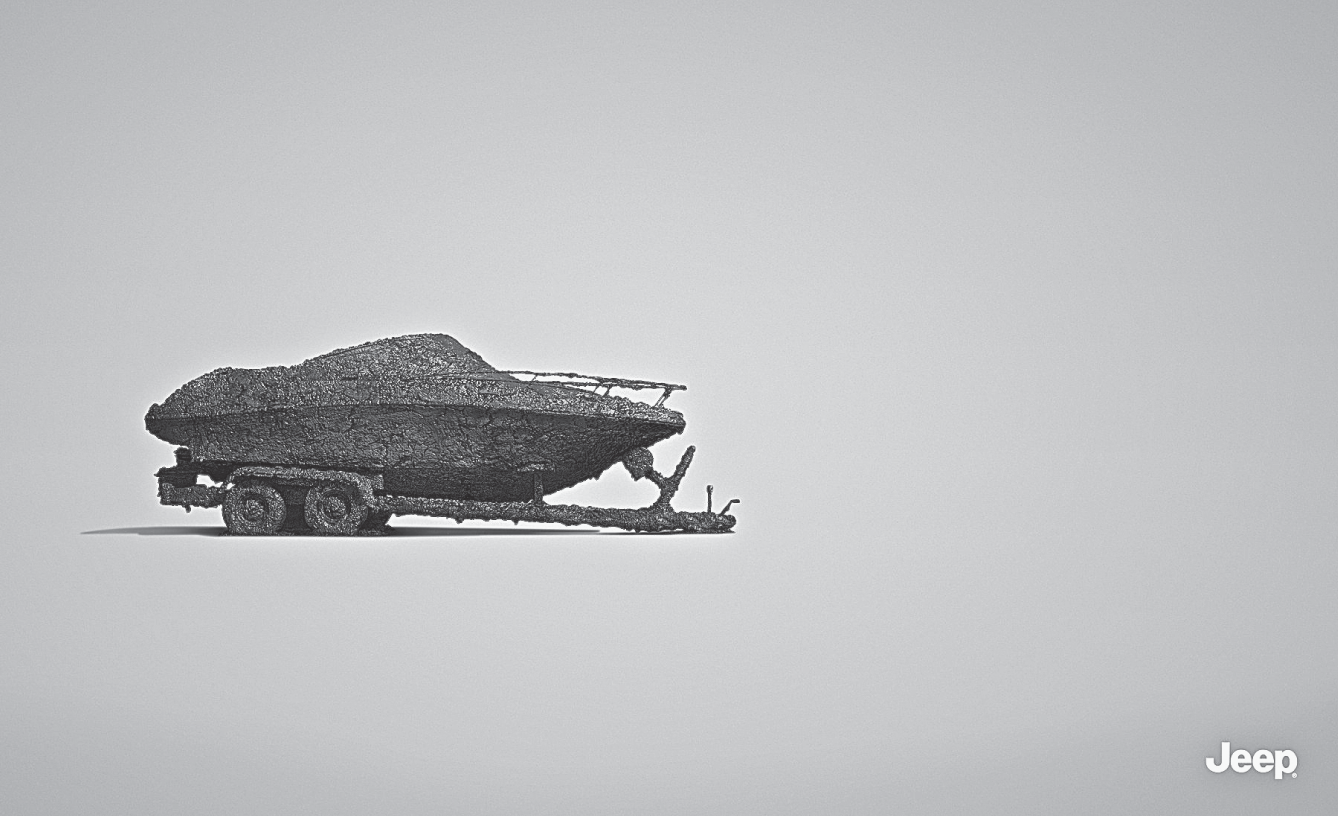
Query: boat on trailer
pixel 417 424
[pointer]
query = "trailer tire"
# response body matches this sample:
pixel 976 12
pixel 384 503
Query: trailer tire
pixel 253 508
pixel 332 508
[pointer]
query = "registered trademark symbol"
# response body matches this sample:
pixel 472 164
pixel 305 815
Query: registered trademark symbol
pixel 1293 776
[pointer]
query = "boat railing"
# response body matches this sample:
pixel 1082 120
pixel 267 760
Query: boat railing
pixel 594 383
pixel 568 379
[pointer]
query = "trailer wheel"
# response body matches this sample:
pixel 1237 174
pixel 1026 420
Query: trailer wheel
pixel 253 508
pixel 335 509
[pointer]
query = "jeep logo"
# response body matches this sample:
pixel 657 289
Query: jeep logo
pixel 1263 761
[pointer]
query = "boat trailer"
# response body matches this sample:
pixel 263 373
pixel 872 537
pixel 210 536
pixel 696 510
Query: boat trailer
pixel 272 500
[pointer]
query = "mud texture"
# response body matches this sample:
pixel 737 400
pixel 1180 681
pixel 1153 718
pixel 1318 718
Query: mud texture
pixel 658 517
pixel 423 411
pixel 418 425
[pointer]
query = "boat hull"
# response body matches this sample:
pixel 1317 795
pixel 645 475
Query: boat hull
pixel 435 451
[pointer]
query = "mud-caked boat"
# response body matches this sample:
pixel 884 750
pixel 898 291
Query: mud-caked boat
pixel 416 424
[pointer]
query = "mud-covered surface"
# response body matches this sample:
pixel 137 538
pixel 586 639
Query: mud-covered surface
pixel 651 519
pixel 269 500
pixel 423 410
pixel 659 517
pixel 442 451
pixel 413 425
pixel 189 496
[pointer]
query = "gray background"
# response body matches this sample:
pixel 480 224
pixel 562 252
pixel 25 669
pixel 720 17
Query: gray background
pixel 1013 325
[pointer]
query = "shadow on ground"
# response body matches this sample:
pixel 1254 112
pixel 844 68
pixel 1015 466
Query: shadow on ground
pixel 394 532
